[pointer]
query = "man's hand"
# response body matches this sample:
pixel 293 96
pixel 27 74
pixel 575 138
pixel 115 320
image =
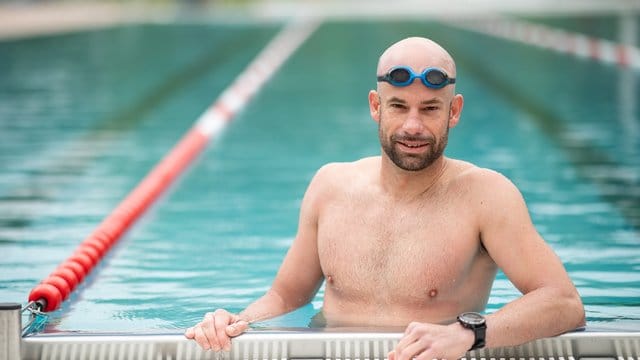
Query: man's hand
pixel 216 330
pixel 424 341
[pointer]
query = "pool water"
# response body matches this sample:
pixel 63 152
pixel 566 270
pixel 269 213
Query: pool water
pixel 84 116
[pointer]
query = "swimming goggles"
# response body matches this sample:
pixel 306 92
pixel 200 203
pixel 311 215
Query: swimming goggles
pixel 432 77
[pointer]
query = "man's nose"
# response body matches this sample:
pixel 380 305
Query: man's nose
pixel 412 124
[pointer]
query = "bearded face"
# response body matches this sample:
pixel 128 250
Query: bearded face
pixel 412 152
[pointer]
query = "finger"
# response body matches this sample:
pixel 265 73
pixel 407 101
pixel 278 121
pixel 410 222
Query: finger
pixel 221 321
pixel 189 333
pixel 209 328
pixel 404 342
pixel 427 355
pixel 412 325
pixel 234 318
pixel 201 338
pixel 237 328
pixel 413 350
pixel 391 355
pixel 409 338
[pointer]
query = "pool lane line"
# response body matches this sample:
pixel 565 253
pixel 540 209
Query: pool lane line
pixel 247 84
pixel 52 291
pixel 562 41
pixel 96 140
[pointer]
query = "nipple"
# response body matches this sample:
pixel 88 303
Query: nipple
pixel 433 293
pixel 330 279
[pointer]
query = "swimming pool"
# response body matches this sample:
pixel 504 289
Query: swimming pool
pixel 85 116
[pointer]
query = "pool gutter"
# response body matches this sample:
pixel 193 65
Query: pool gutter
pixel 313 344
pixel 288 343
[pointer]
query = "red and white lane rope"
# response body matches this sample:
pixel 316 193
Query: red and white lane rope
pixel 572 43
pixel 53 290
pixel 235 97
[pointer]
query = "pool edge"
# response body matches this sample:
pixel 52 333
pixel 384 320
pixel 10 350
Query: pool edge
pixel 312 344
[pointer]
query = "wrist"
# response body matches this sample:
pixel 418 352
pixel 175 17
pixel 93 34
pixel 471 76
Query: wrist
pixel 477 325
pixel 466 336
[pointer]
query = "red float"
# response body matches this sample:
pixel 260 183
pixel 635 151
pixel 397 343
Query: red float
pixel 76 268
pixel 49 293
pixel 100 246
pixel 91 252
pixel 60 283
pixel 83 260
pixel 68 275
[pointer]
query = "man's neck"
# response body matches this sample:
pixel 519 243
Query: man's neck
pixel 404 184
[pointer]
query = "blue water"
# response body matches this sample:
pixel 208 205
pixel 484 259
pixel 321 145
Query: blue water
pixel 83 117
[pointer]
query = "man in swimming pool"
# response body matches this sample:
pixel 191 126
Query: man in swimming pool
pixel 413 238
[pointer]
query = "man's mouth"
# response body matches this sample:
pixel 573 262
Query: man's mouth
pixel 413 145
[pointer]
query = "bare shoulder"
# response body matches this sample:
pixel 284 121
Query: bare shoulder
pixel 337 173
pixel 479 178
pixel 337 177
pixel 485 188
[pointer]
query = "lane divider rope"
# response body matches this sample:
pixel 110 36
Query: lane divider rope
pixel 547 37
pixel 53 290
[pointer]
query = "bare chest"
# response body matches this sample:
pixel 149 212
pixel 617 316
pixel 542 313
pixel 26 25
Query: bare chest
pixel 412 252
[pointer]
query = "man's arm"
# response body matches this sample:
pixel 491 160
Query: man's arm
pixel 298 279
pixel 550 304
pixel 300 275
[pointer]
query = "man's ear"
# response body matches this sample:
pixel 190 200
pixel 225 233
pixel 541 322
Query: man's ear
pixel 456 110
pixel 374 105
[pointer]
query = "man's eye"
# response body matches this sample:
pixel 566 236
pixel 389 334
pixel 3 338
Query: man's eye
pixel 432 108
pixel 397 106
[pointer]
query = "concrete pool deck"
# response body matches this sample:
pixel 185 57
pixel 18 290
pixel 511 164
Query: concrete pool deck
pixel 27 20
pixel 21 20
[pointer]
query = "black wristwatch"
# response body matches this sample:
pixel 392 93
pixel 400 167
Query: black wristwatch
pixel 476 323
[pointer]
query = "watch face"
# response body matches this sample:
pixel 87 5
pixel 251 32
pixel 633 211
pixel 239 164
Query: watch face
pixel 472 318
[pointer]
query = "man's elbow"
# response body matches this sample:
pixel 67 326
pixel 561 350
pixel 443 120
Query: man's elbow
pixel 579 308
pixel 574 311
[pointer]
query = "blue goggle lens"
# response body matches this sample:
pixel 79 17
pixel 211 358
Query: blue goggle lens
pixel 403 76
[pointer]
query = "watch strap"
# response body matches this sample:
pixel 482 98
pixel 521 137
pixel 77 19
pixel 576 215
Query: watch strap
pixel 480 333
pixel 479 328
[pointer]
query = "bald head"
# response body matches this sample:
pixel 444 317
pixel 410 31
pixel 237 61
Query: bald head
pixel 415 110
pixel 418 53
